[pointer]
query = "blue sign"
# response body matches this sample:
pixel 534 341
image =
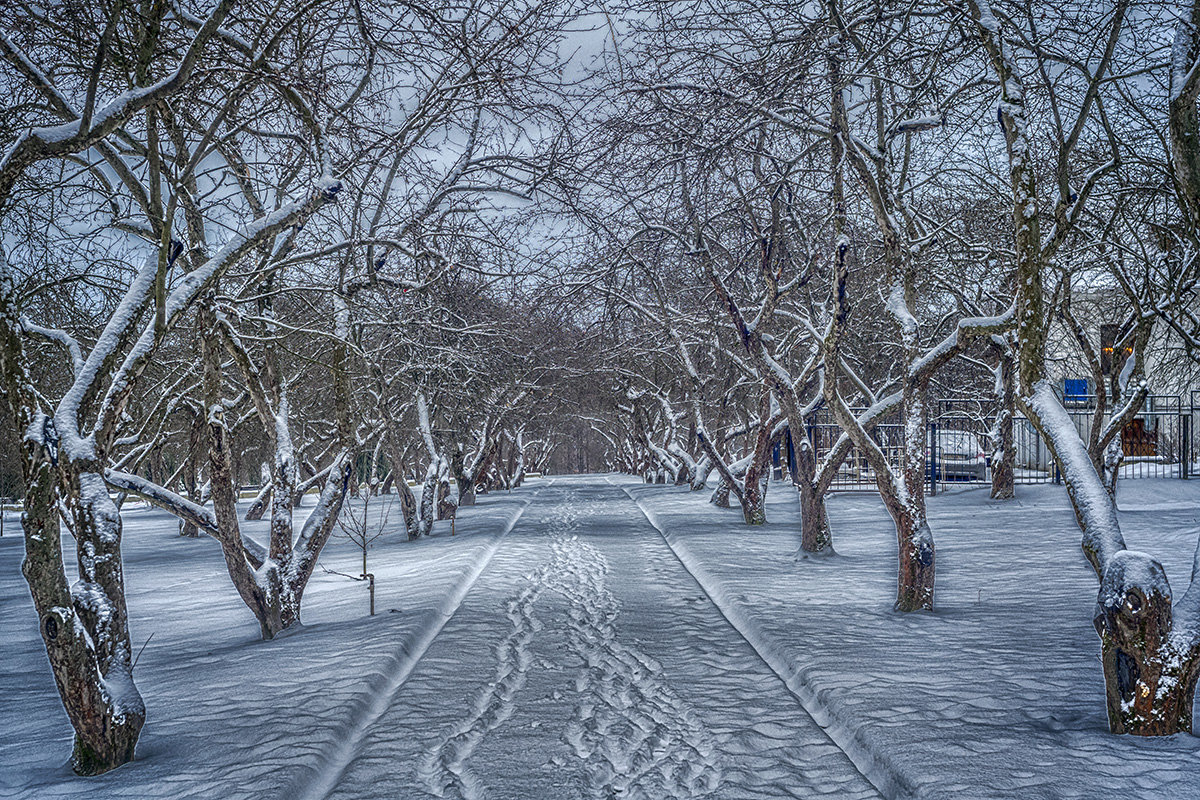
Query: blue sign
pixel 1075 390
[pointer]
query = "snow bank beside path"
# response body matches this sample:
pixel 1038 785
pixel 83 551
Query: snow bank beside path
pixel 231 716
pixel 998 693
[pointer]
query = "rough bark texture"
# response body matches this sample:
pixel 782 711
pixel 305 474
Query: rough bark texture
pixel 1004 461
pixel 720 495
pixel 815 535
pixel 914 583
pixel 1149 684
pixel 408 508
pixel 464 480
pixel 447 508
pixel 914 590
pixel 84 627
pixel 428 500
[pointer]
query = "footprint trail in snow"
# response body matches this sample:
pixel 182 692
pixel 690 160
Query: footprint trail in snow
pixel 445 768
pixel 636 737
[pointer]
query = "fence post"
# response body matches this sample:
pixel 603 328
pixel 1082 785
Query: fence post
pixel 791 454
pixel 933 448
pixel 1185 443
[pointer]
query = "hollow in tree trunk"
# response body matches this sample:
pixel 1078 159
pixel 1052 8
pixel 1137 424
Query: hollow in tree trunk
pixel 1149 679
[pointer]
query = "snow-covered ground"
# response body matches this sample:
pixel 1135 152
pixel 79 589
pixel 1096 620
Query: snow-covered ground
pixel 999 692
pixel 560 647
pixel 231 716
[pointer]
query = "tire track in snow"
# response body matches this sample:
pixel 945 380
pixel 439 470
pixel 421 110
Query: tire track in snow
pixel 885 780
pixel 367 712
pixel 635 736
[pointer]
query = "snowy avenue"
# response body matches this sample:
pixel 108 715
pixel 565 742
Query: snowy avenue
pixel 599 399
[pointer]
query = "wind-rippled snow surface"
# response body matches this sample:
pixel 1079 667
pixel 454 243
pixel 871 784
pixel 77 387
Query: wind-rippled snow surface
pixel 998 693
pixel 560 647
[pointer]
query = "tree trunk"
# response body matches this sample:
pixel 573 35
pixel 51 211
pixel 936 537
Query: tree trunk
pixel 85 627
pixel 428 500
pixel 519 467
pixel 754 497
pixel 915 539
pixel 700 476
pixel 1149 684
pixel 257 595
pixel 1004 463
pixel 720 495
pixel 758 472
pixel 85 632
pixel 815 535
pixel 316 531
pixel 447 508
pixel 408 502
pixel 464 483
pixel 914 582
pixel 408 508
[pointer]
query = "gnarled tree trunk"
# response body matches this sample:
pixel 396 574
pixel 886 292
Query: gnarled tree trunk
pixel 85 626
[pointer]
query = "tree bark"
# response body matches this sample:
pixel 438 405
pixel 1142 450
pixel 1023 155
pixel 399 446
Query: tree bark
pixel 700 476
pixel 758 473
pixel 428 500
pixel 914 539
pixel 84 628
pixel 720 495
pixel 1004 461
pixel 1150 685
pixel 408 508
pixel 816 538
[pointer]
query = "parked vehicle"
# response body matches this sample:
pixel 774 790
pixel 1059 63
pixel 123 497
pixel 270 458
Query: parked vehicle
pixel 959 457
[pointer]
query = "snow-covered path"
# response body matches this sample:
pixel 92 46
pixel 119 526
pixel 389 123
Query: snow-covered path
pixel 586 662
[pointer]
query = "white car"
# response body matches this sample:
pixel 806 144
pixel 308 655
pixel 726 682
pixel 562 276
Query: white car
pixel 959 457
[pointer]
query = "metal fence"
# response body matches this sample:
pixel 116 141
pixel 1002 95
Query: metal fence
pixel 1160 442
